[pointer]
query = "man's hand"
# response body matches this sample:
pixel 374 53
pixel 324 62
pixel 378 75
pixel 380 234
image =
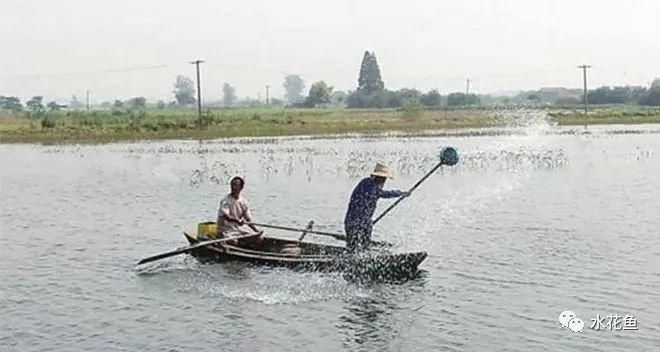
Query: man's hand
pixel 240 222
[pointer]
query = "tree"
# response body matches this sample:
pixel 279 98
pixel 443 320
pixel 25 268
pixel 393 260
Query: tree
pixel 319 94
pixel 534 99
pixel 118 104
pixel 357 99
pixel 655 83
pixel 11 103
pixel 472 99
pixel 408 95
pixel 602 95
pixel 432 98
pixel 652 96
pixel 369 80
pixel 381 98
pixel 137 103
pixel 160 105
pixel 338 97
pixel 458 99
pixel 378 99
pixel 616 95
pixel 294 86
pixel 228 95
pixel 184 90
pixel 394 99
pixel 35 104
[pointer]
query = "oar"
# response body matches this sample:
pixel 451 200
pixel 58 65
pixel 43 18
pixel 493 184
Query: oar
pixel 191 247
pixel 286 228
pixel 337 236
pixel 448 156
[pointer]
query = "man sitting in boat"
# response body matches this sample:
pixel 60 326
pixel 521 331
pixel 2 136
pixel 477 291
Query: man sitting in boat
pixel 233 214
pixel 361 208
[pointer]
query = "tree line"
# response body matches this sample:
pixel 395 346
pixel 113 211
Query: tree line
pixel 370 93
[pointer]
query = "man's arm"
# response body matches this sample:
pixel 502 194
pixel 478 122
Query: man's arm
pixel 392 194
pixel 247 215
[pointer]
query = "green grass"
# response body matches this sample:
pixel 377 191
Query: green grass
pixel 616 114
pixel 174 123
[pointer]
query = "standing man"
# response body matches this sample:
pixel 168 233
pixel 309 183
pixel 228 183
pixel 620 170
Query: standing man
pixel 361 208
pixel 233 213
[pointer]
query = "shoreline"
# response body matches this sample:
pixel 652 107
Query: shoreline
pixel 318 123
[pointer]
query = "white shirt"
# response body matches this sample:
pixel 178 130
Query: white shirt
pixel 235 208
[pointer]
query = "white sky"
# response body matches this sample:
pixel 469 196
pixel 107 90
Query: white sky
pixel 64 47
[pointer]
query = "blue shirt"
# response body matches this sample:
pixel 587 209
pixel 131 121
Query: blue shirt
pixel 363 203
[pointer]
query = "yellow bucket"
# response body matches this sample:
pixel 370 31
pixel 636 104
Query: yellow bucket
pixel 207 229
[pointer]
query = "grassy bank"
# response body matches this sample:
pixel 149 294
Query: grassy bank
pixel 105 126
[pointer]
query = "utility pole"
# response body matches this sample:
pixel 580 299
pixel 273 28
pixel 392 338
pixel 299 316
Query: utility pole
pixel 87 99
pixel 584 77
pixel 267 94
pixel 199 89
pixel 467 90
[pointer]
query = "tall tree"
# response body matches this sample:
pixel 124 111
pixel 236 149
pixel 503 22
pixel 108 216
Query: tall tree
pixel 184 90
pixel 319 94
pixel 369 80
pixel 294 86
pixel 228 95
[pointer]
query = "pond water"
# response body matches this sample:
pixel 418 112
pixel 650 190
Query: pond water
pixel 526 226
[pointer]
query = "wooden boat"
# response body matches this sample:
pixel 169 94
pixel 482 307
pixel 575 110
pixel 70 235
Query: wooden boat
pixel 316 257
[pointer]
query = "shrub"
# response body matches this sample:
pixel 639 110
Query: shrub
pixel 412 109
pixel 47 122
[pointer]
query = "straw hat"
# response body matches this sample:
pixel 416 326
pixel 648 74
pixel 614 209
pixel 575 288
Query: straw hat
pixel 382 170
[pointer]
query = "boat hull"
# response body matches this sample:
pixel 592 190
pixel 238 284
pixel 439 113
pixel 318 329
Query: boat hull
pixel 317 257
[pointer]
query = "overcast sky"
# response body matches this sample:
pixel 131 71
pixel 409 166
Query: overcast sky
pixel 122 48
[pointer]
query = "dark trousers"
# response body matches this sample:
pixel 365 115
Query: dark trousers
pixel 358 236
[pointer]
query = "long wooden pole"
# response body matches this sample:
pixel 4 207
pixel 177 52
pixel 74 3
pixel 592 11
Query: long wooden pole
pixel 409 191
pixel 191 247
pixel 294 229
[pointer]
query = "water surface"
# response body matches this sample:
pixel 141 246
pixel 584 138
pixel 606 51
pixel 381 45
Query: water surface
pixel 525 227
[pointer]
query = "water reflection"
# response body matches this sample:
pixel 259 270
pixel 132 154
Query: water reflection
pixel 377 320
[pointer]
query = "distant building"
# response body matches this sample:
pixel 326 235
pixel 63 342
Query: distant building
pixel 559 93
